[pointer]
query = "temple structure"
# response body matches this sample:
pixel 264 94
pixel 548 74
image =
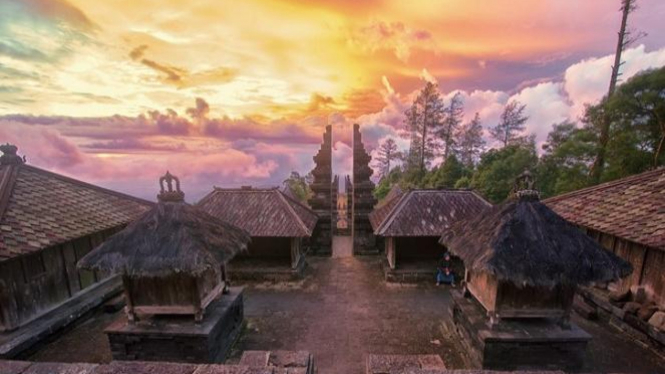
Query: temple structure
pixel 47 223
pixel 322 202
pixel 363 200
pixel 523 265
pixel 277 223
pixel 172 262
pixel 410 224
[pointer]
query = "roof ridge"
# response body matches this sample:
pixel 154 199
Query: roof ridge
pixel 7 187
pixel 88 185
pixel 608 184
pixel 391 216
pixel 292 211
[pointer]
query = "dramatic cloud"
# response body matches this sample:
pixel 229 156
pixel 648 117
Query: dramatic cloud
pixel 118 92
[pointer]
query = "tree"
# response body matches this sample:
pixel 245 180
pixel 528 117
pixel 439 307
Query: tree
pixel 387 153
pixel 470 141
pixel 387 182
pixel 623 41
pixel 511 124
pixel 498 169
pixel 638 106
pixel 424 119
pixel 568 155
pixel 447 174
pixel 298 185
pixel 454 113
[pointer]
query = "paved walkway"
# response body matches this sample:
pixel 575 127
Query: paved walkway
pixel 342 246
pixel 343 311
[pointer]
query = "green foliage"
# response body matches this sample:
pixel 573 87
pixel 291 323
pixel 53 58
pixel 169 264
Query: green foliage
pixel 498 169
pixel 424 119
pixel 387 182
pixel 568 155
pixel 446 175
pixel 636 112
pixel 298 185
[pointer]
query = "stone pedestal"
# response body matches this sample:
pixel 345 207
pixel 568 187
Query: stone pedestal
pixel 179 338
pixel 535 344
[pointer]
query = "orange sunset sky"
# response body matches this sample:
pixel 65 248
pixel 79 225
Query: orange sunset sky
pixel 228 93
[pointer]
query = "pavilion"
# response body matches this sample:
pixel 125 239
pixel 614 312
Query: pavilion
pixel 411 224
pixel 277 224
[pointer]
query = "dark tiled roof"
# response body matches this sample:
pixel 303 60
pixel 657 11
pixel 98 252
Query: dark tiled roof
pixel 426 212
pixel 261 212
pixel 385 206
pixel 631 208
pixel 39 209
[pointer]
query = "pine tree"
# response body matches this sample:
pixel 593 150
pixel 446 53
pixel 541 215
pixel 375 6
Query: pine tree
pixel 387 153
pixel 454 114
pixel 424 119
pixel 470 142
pixel 625 39
pixel 511 124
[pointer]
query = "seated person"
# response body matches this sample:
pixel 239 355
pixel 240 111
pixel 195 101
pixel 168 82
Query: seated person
pixel 444 273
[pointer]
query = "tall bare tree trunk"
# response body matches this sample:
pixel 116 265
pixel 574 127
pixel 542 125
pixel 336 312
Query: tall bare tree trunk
pixel 599 163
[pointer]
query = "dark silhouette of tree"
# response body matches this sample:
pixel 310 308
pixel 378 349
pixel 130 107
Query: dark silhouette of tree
pixel 470 142
pixel 424 119
pixel 387 153
pixel 511 124
pixel 625 39
pixel 454 115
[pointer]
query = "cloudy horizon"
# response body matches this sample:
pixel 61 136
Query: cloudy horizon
pixel 239 93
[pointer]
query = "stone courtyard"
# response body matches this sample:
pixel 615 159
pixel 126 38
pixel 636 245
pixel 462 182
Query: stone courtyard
pixel 342 311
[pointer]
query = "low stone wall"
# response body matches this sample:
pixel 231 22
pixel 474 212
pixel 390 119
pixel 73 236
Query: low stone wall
pixel 622 317
pixel 277 362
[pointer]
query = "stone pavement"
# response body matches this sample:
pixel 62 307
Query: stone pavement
pixel 343 311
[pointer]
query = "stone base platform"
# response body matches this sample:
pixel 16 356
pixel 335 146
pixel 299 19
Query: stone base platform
pixel 538 344
pixel 179 338
pixel 382 364
pixel 257 270
pixel 410 273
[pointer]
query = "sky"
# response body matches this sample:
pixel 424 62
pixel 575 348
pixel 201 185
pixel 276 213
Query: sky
pixel 230 93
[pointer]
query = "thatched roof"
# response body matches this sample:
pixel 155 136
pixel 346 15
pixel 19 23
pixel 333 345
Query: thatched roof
pixel 40 209
pixel 631 208
pixel 261 212
pixel 172 237
pixel 425 212
pixel 525 242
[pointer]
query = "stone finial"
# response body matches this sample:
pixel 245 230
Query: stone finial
pixel 524 187
pixel 10 156
pixel 168 193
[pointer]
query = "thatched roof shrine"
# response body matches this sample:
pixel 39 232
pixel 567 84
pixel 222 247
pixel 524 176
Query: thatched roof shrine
pixel 526 243
pixel 173 237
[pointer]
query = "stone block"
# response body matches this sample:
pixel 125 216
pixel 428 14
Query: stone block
pixel 646 311
pixel 13 367
pixel 60 368
pixel 657 320
pixel 141 367
pixel 631 307
pixel 232 369
pixel 289 359
pixel 255 358
pixel 619 296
